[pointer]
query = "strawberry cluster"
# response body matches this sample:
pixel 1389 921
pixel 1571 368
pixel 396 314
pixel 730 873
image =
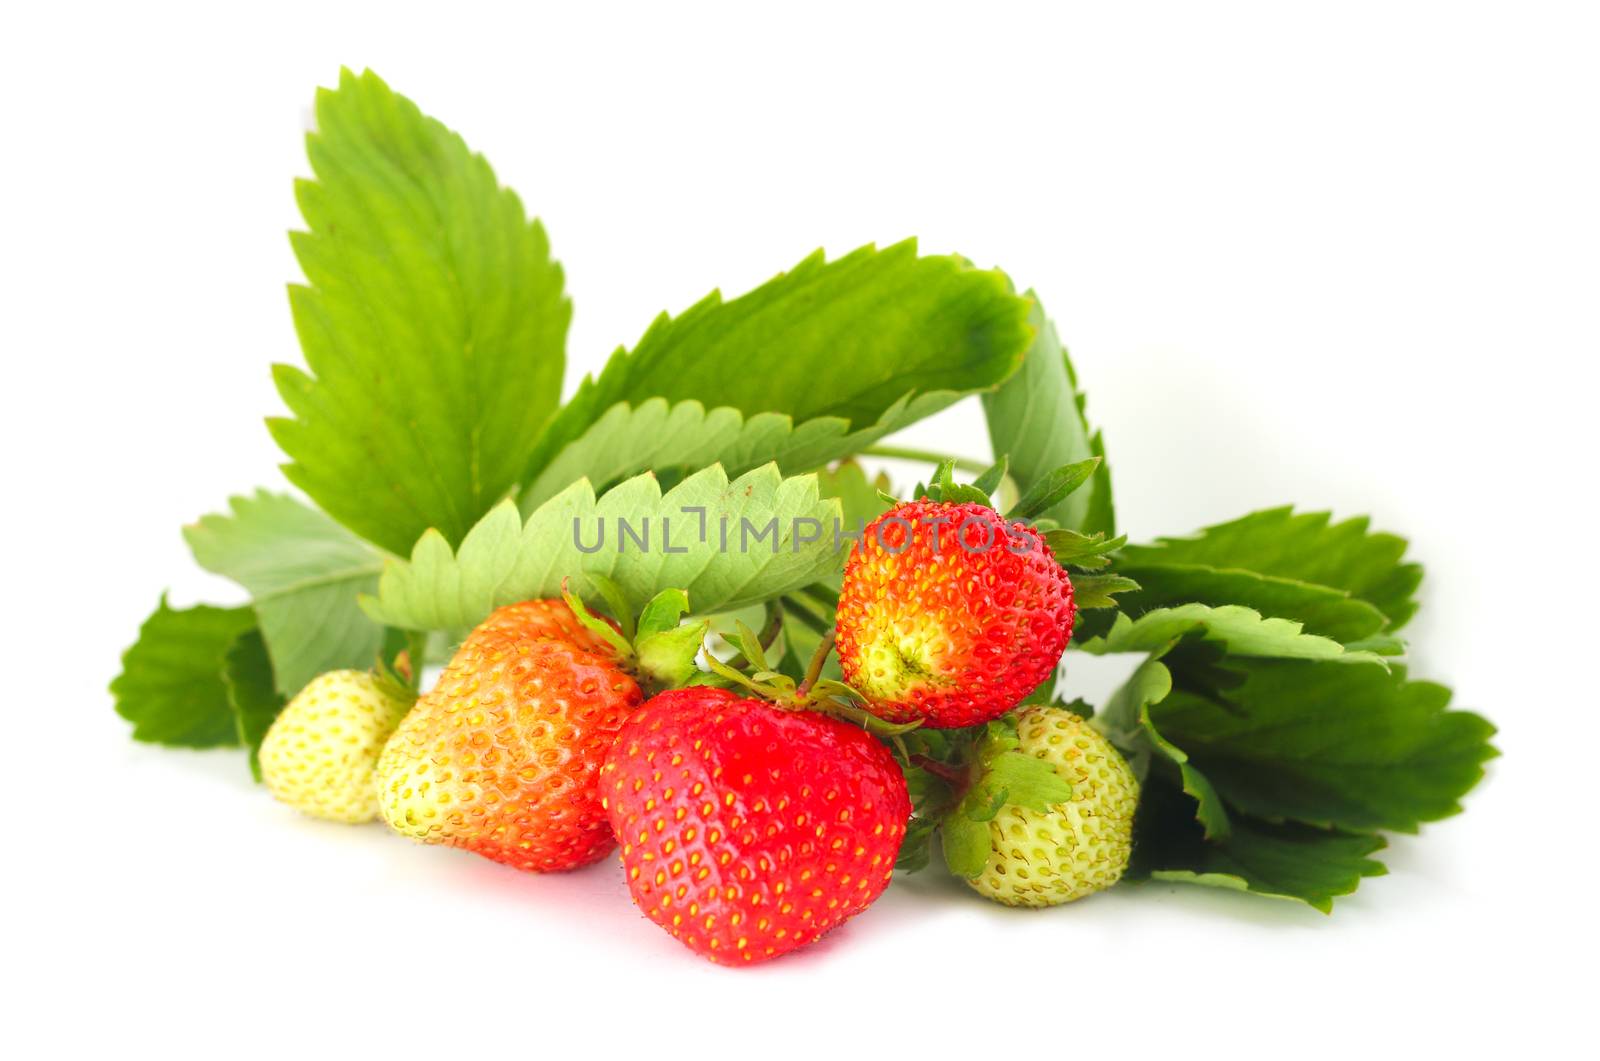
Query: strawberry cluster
pixel 750 822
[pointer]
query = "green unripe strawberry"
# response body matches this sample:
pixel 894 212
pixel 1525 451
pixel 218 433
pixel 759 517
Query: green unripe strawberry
pixel 321 752
pixel 1072 849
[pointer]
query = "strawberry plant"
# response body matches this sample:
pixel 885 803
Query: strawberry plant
pixel 635 595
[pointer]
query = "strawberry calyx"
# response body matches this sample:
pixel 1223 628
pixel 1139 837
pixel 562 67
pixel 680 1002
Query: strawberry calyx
pixel 812 692
pixel 960 779
pixel 657 649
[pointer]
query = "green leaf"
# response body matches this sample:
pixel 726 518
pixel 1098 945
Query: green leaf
pixel 254 698
pixel 768 550
pixel 1150 683
pixel 305 574
pixel 873 333
pixel 432 322
pixel 1322 610
pixel 1353 747
pixel 1209 810
pixel 1291 861
pixel 674 439
pixel 1305 548
pixel 1240 631
pixel 965 843
pixel 171 686
pixel 1036 419
pixel 1049 490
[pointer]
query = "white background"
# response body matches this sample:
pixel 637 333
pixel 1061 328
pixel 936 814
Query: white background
pixel 1344 259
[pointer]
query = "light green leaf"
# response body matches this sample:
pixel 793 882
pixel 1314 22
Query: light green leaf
pixel 872 334
pixel 432 322
pixel 757 537
pixel 671 440
pixel 1036 419
pixel 305 574
pixel 171 686
pixel 1353 747
pixel 1305 548
pixel 1239 631
pixel 247 674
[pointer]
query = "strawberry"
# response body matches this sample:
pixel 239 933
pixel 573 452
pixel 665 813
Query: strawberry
pixel 749 829
pixel 1042 857
pixel 949 614
pixel 320 752
pixel 501 756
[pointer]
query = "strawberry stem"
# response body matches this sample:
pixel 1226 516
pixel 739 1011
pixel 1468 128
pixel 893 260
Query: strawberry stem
pixel 911 454
pixel 814 668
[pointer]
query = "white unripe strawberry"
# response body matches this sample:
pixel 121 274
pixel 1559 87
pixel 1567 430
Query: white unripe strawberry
pixel 321 752
pixel 1073 849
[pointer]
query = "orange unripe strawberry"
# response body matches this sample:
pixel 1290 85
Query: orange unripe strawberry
pixel 501 757
pixel 951 615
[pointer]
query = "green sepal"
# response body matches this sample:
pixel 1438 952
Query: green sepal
pixel 965 844
pixel 916 850
pixel 663 613
pixel 990 479
pixel 666 658
pixel 597 626
pixel 1048 492
pixel 1087 552
pixel 1100 591
pixel 617 602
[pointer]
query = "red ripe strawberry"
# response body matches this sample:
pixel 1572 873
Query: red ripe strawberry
pixel 748 830
pixel 949 614
pixel 502 756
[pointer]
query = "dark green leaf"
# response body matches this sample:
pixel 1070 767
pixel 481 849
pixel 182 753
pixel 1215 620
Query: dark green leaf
pixel 171 686
pixel 1332 613
pixel 1290 861
pixel 1305 548
pixel 1331 744
pixel 247 673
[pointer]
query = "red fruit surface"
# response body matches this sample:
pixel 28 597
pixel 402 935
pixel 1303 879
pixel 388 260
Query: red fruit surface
pixel 503 755
pixel 748 830
pixel 950 615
